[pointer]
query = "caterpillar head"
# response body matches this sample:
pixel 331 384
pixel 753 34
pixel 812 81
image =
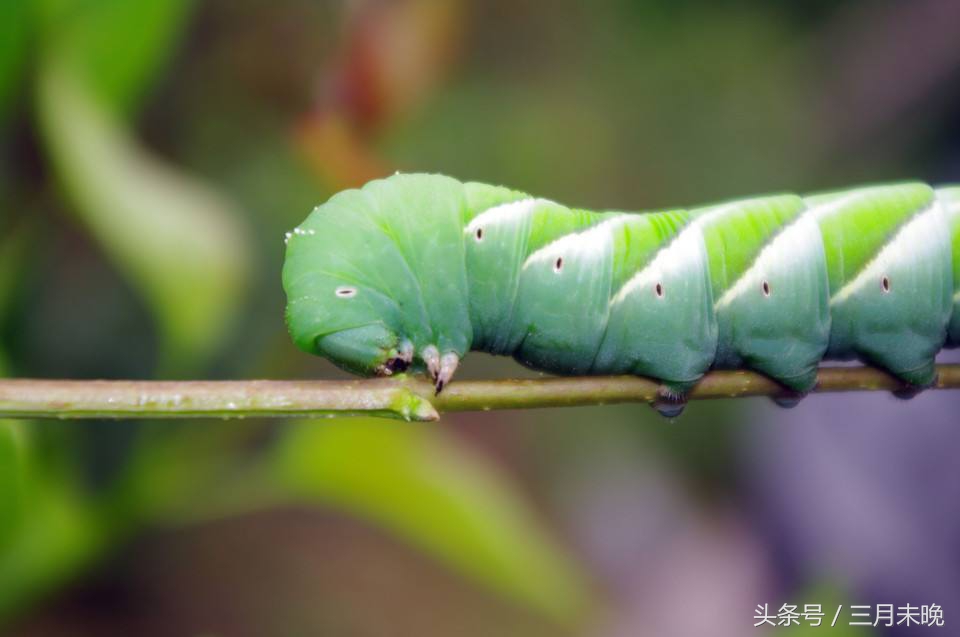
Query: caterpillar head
pixel 350 326
pixel 354 336
pixel 370 349
pixel 375 279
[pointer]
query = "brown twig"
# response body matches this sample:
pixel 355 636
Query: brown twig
pixel 403 397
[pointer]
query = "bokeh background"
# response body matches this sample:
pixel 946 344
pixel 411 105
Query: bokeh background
pixel 154 153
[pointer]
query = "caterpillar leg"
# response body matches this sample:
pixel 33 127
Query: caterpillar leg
pixel 671 397
pixel 788 401
pixel 448 365
pixel 921 377
pixel 431 358
pixel 440 368
pixel 907 393
pixel 917 380
pixel 913 364
pixel 796 386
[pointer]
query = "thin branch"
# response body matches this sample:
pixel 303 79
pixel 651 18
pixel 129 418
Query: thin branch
pixel 408 398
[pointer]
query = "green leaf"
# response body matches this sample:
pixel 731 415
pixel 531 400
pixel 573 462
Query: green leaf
pixel 430 490
pixel 56 534
pixel 48 530
pixel 11 477
pixel 14 31
pixel 178 241
pixel 114 47
pixel 11 471
pixel 12 249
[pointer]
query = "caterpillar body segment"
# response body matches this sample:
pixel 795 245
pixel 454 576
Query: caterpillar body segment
pixel 419 269
pixel 769 282
pixel 949 199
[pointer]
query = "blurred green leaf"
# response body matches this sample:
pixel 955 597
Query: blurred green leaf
pixel 55 535
pixel 11 477
pixel 115 47
pixel 178 241
pixel 14 30
pixel 48 530
pixel 429 489
pixel 12 247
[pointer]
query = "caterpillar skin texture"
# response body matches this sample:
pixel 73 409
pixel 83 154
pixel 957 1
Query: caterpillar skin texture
pixel 416 270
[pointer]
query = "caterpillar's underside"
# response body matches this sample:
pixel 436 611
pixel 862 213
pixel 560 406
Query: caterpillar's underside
pixel 419 269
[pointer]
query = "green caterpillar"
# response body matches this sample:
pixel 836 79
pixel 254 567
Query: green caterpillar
pixel 416 270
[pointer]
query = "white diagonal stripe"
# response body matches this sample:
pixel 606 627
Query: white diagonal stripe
pixel 797 242
pixel 504 213
pixel 830 208
pixel 591 241
pixel 686 247
pixel 917 234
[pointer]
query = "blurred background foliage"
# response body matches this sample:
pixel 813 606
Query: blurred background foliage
pixel 152 155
